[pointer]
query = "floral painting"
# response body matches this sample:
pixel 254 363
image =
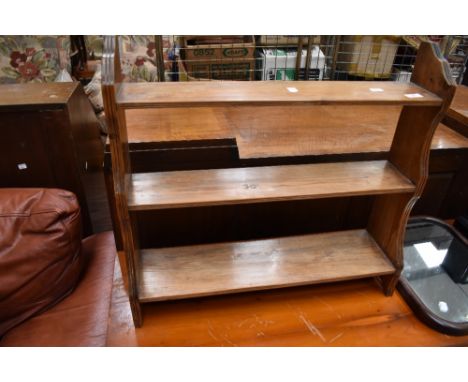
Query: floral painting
pixel 33 58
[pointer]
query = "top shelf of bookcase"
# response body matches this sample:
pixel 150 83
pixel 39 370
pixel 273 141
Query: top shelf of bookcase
pixel 258 93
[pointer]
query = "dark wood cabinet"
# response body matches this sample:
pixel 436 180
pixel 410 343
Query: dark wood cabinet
pixel 50 138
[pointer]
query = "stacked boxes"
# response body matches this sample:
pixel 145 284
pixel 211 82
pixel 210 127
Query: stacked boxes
pixel 280 64
pixel 219 57
pixel 368 56
pixel 284 40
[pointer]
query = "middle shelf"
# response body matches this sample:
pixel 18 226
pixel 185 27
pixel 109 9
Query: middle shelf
pixel 179 189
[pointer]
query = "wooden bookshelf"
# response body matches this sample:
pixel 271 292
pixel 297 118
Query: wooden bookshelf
pixel 156 274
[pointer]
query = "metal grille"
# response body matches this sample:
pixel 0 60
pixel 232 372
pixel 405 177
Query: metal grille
pixel 187 58
pixel 456 51
pixel 199 58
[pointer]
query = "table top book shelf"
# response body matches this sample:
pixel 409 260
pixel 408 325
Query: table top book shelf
pixel 156 274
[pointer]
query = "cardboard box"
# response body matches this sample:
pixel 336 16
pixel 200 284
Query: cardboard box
pixel 415 41
pixel 280 64
pixel 218 47
pixel 284 40
pixel 219 57
pixel 184 75
pixel 368 56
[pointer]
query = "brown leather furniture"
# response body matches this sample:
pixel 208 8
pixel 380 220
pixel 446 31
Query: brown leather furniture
pixel 55 289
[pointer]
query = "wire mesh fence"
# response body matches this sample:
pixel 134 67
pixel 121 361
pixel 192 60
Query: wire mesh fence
pixel 277 57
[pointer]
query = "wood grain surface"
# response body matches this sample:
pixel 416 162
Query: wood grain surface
pixel 352 313
pixel 221 268
pixel 459 107
pixel 263 184
pixel 166 124
pixel 281 131
pixel 54 95
pixel 115 118
pixel 446 138
pixel 206 93
pixel 409 153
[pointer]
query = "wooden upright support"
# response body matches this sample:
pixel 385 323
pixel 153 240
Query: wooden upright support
pixel 409 153
pixel 115 116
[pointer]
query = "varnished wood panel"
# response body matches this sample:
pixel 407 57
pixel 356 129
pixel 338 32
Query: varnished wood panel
pixel 221 268
pixel 86 132
pixel 281 131
pixel 163 125
pixel 456 125
pixel 312 130
pixel 34 95
pixel 55 141
pixel 88 155
pixel 21 140
pixel 387 223
pixel 459 107
pixel 410 154
pixel 446 138
pixel 115 117
pixel 205 93
pixel 263 184
pixel 353 313
pixel 322 130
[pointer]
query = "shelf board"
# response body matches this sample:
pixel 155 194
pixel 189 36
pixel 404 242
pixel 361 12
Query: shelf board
pixel 178 189
pixel 221 268
pixel 231 93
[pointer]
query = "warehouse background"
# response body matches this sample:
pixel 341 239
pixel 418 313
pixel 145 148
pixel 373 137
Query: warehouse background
pixel 276 57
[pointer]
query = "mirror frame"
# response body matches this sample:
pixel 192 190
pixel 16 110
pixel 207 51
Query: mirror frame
pixel 417 305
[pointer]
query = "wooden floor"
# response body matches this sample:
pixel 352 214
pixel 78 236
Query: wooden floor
pixel 353 313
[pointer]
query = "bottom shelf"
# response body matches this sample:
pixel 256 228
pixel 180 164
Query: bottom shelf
pixel 221 268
